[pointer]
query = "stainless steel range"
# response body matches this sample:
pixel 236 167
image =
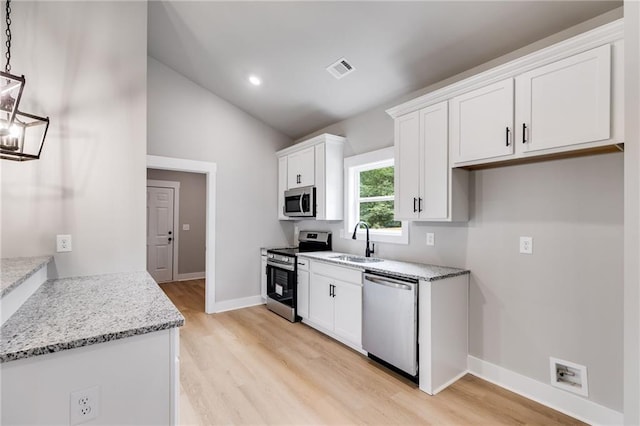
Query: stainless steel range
pixel 282 276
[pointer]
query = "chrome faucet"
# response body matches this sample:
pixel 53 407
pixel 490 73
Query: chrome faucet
pixel 368 251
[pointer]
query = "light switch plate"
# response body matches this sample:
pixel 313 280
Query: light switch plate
pixel 431 239
pixel 186 227
pixel 526 245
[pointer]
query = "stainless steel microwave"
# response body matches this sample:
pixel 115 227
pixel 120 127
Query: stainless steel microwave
pixel 300 202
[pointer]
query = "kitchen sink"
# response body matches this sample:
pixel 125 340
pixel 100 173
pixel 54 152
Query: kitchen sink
pixel 357 259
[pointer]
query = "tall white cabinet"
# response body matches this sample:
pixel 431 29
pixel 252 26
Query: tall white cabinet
pixel 425 186
pixel 315 162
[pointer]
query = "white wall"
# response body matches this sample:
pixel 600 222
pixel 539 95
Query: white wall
pixel 632 215
pixel 85 66
pixel 187 121
pixel 564 301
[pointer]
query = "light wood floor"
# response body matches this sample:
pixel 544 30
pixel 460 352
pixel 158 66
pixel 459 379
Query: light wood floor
pixel 250 366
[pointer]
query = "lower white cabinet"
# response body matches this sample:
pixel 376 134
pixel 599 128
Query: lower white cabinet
pixel 263 272
pixel 335 302
pixel 302 306
pixel 442 332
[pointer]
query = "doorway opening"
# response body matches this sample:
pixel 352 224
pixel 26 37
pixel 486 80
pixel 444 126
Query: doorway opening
pixel 166 192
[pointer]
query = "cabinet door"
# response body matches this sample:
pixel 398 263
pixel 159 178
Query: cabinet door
pixel 282 186
pixel 321 301
pixel 407 166
pixel 301 168
pixel 303 294
pixel 263 279
pixel 482 123
pixel 565 103
pixel 348 311
pixel 434 173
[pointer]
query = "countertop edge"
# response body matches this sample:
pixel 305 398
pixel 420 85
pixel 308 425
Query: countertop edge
pixel 26 276
pixel 373 268
pixel 88 341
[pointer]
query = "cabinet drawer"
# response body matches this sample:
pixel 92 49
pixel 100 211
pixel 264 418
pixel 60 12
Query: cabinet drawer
pixel 303 264
pixel 353 276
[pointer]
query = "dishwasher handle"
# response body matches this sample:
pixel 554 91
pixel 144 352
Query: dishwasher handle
pixel 388 282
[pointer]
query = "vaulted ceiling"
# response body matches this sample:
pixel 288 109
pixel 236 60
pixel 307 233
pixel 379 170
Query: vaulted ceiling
pixel 395 47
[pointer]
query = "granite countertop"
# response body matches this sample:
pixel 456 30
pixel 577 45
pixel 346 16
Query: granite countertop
pixel 14 271
pixel 419 271
pixel 73 312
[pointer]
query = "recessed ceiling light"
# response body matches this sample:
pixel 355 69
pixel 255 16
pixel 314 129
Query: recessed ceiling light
pixel 255 80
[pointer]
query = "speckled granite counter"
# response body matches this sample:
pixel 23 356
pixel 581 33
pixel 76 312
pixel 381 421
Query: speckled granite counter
pixel 14 271
pixel 73 312
pixel 417 271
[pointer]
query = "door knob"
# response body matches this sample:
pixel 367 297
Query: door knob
pixel 170 239
pixel 170 232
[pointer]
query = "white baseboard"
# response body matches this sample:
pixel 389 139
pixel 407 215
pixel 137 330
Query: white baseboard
pixel 243 302
pixel 558 399
pixel 190 276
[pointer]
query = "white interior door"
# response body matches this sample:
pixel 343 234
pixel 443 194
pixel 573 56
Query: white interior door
pixel 160 233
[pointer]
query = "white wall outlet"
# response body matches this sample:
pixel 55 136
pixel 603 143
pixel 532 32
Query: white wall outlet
pixel 63 243
pixel 569 376
pixel 186 227
pixel 431 239
pixel 526 245
pixel 84 405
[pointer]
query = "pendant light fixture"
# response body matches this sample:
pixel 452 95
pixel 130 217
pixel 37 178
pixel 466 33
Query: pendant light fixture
pixel 22 135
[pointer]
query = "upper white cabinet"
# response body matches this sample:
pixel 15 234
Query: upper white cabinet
pixel 316 162
pixel 425 186
pixel 566 99
pixel 565 103
pixel 301 168
pixel 482 123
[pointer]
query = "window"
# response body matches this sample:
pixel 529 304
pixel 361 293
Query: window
pixel 369 197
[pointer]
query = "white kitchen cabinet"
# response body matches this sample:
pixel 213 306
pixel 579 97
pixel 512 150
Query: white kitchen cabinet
pixel 335 302
pixel 425 186
pixel 318 162
pixel 302 306
pixel 561 101
pixel 442 332
pixel 482 123
pixel 301 168
pixel 565 103
pixel 263 274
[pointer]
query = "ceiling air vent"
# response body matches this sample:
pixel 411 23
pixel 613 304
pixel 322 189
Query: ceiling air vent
pixel 340 68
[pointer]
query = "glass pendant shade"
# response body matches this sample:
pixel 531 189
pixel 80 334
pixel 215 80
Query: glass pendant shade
pixel 11 87
pixel 24 138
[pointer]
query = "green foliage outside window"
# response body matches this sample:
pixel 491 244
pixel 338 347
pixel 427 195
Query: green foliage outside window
pixel 377 183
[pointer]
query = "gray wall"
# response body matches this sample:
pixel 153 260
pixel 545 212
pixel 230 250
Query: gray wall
pixel 566 299
pixel 632 215
pixel 89 76
pixel 187 121
pixel 193 198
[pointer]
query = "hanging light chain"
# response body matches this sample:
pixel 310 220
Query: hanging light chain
pixel 7 67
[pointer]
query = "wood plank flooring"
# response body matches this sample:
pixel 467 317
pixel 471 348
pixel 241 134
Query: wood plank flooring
pixel 250 366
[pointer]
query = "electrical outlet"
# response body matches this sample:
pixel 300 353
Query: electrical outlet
pixel 186 227
pixel 63 243
pixel 526 245
pixel 84 405
pixel 431 239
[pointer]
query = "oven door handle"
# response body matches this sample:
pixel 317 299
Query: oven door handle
pixel 281 266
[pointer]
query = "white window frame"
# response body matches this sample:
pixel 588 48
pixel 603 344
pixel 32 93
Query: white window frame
pixel 352 168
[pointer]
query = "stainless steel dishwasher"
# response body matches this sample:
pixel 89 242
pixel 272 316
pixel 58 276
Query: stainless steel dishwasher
pixel 390 321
